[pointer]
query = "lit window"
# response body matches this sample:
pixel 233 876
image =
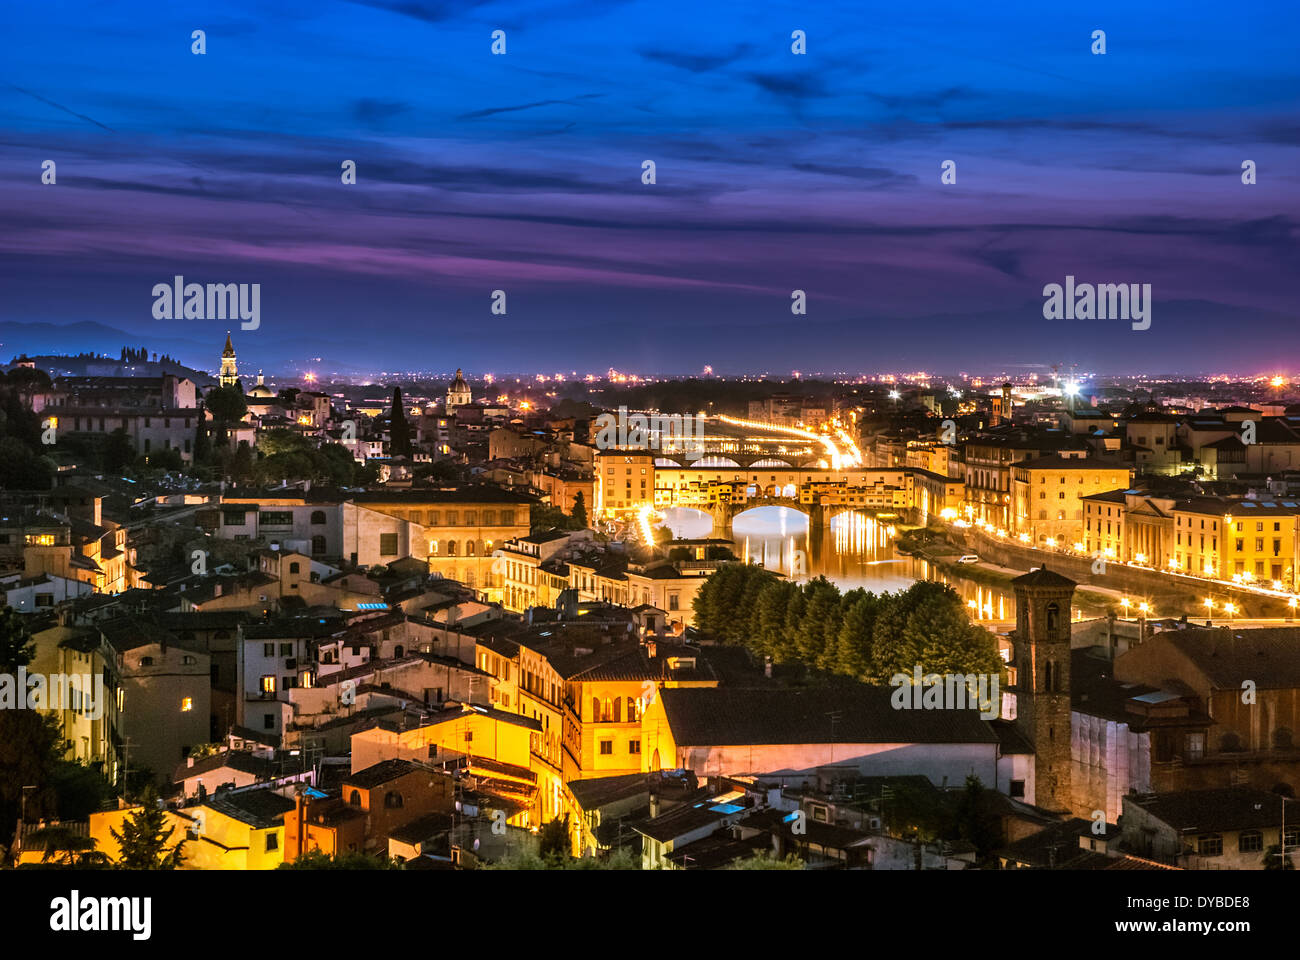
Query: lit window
pixel 187 704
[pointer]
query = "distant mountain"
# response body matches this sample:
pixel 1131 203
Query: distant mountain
pixel 272 355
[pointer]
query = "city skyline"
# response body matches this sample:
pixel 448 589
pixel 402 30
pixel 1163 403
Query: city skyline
pixel 775 172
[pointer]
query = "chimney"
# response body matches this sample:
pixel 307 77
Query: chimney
pixel 654 802
pixel 189 761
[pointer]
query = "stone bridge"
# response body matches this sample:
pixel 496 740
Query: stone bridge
pixel 743 460
pixel 724 514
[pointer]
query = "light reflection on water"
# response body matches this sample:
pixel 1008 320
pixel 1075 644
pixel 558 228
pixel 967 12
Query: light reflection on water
pixel 854 550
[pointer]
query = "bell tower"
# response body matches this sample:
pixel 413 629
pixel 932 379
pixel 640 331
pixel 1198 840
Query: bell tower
pixel 229 372
pixel 1042 687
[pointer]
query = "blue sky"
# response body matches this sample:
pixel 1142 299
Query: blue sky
pixel 775 172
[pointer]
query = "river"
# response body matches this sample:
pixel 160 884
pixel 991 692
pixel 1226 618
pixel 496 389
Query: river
pixel 855 550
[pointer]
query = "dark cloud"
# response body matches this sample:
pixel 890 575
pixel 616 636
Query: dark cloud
pixel 696 62
pixel 877 175
pixel 794 86
pixel 490 111
pixel 373 112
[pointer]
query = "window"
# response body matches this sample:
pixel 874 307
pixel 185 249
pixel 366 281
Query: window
pixel 187 704
pixel 275 518
pixel 1250 841
pixel 272 842
pixel 355 799
pixel 268 722
pixel 392 800
pixel 1194 746
pixel 1017 788
pixel 293 567
pixel 433 751
pixel 286 649
pixel 1210 845
pixel 318 546
pixel 268 685
pixel 268 649
pixel 606 748
pixel 146 661
pixel 634 746
pixel 233 518
pixel 317 518
pixel 388 544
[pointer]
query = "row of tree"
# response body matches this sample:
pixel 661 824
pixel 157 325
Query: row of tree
pixel 867 636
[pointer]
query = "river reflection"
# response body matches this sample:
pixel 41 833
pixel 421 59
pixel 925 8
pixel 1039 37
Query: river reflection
pixel 854 550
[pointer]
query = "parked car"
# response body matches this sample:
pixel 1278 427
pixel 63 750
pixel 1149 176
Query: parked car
pixel 968 558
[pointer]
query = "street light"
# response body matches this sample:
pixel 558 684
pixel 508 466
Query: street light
pixel 1124 603
pixel 1230 609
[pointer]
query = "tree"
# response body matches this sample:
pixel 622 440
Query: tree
pixel 320 860
pixel 21 469
pixel 16 645
pixel 65 847
pixel 30 746
pixel 579 513
pixel 765 861
pixel 553 839
pixel 399 432
pixel 1273 859
pixel 119 452
pixel 621 859
pixel 823 602
pixel 853 652
pixel 227 406
pixel 975 822
pixel 144 839
pixel 79 789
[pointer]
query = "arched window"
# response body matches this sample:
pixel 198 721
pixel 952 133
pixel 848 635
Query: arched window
pixel 393 800
pixel 355 799
pixel 469 548
pixel 1053 618
pixel 451 548
pixel 317 518
pixel 618 709
pixel 633 709
pixel 595 709
pixel 398 651
pixel 609 711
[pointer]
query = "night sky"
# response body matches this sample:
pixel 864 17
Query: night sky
pixel 775 172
